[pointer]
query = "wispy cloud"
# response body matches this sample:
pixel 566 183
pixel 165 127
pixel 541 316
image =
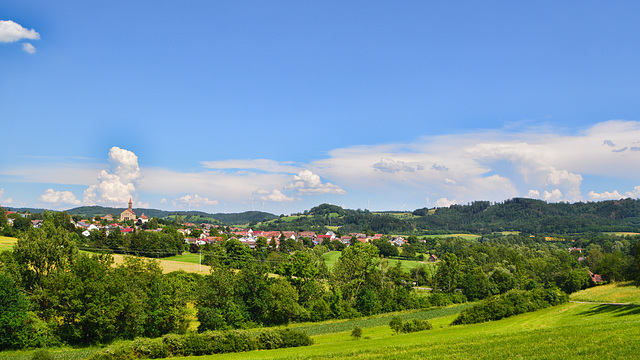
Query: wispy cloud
pixel 194 200
pixel 3 200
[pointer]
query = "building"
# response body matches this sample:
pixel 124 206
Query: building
pixel 128 214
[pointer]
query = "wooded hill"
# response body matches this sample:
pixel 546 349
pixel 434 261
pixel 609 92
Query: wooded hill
pixel 189 216
pixel 479 217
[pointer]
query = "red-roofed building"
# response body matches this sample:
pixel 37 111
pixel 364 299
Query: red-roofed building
pixel 128 214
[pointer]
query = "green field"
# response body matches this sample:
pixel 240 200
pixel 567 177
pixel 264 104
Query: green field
pixel 625 292
pixel 6 243
pixel 444 236
pixel 584 331
pixel 331 257
pixel 185 257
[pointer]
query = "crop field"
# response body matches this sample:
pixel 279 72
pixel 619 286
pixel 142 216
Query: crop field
pixel 623 292
pixel 622 233
pixel 6 243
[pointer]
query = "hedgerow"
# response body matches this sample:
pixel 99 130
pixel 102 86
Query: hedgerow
pixel 206 343
pixel 511 303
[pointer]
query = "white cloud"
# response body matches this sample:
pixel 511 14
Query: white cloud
pixel 444 202
pixel 163 201
pixel 12 32
pixel 193 200
pixel 534 194
pixel 6 201
pixel 27 47
pixel 554 195
pixel 59 198
pixel 117 185
pixel 635 193
pixel 606 195
pixel 275 196
pixel 307 182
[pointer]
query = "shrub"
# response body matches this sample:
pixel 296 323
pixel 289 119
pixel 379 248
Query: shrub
pixel 294 338
pixel 513 302
pixel 356 333
pixel 42 354
pixel 415 325
pixel 269 339
pixel 396 324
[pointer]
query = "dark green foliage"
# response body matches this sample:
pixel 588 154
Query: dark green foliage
pixel 42 354
pixel 396 323
pixel 356 333
pixel 513 302
pixel 207 343
pixel 415 325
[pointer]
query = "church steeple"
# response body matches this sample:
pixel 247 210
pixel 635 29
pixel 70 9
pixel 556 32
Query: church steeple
pixel 130 204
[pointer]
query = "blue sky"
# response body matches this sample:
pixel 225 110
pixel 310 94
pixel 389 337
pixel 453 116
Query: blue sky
pixel 280 106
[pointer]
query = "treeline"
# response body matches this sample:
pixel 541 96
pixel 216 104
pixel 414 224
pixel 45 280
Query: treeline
pixel 349 221
pixel 479 217
pixel 533 217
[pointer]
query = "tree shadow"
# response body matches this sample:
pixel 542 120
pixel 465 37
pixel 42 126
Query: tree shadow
pixel 615 310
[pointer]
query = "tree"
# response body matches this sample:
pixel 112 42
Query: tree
pixel 448 273
pixel 14 316
pixel 396 324
pixel 355 266
pixel 356 333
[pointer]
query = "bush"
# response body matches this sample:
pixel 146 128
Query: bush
pixel 269 339
pixel 513 302
pixel 42 354
pixel 396 324
pixel 356 333
pixel 294 338
pixel 415 325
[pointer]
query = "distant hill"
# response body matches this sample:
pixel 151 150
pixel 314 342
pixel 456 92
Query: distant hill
pixel 190 216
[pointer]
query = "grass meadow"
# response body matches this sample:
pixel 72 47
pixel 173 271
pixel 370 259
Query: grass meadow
pixel 331 257
pixel 6 243
pixel 620 292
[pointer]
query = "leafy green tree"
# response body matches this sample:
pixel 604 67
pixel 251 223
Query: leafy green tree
pixel 355 266
pixel 283 303
pixel 448 273
pixel 356 333
pixel 14 307
pixel 396 324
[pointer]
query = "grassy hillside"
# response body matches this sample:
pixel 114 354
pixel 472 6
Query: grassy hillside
pixel 624 292
pixel 566 331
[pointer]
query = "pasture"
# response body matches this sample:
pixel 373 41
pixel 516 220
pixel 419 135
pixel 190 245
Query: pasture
pixel 566 331
pixel 6 243
pixel 621 292
pixel 331 257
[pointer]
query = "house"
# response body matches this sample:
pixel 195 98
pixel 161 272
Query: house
pixel 143 218
pixel 107 217
pixel 128 214
pixel 432 258
pixel 595 277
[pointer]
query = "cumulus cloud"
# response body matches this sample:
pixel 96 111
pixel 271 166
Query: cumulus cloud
pixel 118 184
pixel 163 201
pixel 307 182
pixel 444 202
pixel 12 32
pixel 193 200
pixel 606 195
pixel 59 198
pixel 275 196
pixel 635 193
pixel 553 195
pixel 6 201
pixel 533 194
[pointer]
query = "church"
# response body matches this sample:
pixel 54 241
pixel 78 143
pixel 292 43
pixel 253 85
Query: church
pixel 128 214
